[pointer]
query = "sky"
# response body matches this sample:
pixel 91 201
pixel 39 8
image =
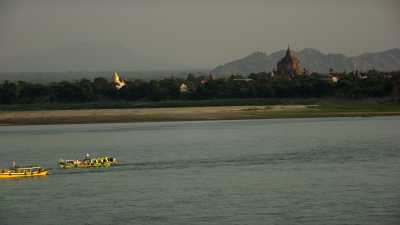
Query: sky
pixel 196 34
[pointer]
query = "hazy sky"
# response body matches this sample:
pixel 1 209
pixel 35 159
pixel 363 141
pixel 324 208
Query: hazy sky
pixel 198 34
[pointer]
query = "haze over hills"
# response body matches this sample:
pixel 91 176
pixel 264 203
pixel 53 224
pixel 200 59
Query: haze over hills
pixel 314 61
pixel 47 77
pixel 84 56
pixel 89 60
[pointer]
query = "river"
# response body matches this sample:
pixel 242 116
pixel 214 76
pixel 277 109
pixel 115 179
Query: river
pixel 249 172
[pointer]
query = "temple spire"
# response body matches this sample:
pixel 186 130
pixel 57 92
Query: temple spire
pixel 289 64
pixel 288 52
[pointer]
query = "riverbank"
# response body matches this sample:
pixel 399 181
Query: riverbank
pixel 73 116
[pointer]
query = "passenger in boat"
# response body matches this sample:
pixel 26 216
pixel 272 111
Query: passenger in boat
pixel 87 156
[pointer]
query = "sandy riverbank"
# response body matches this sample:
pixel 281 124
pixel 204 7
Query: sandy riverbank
pixel 175 114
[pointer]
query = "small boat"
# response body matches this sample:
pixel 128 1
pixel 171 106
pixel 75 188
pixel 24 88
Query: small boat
pixel 87 162
pixel 18 172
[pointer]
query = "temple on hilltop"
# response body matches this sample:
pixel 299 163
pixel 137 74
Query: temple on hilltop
pixel 289 65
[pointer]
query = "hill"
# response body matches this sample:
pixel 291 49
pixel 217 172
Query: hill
pixel 314 61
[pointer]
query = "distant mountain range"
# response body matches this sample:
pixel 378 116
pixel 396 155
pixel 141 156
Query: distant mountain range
pixel 314 61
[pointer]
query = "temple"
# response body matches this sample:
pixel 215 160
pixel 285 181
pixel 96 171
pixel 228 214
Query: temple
pixel 118 82
pixel 289 65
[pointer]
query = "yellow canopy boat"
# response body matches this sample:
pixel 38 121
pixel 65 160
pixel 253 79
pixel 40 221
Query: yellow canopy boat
pixel 19 172
pixel 88 162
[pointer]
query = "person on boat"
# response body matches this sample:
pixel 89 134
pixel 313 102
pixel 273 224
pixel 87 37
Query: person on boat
pixel 13 164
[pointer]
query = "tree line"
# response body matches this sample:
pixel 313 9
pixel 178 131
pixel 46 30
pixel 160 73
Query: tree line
pixel 259 85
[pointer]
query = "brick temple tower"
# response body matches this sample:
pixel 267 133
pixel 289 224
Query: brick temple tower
pixel 289 65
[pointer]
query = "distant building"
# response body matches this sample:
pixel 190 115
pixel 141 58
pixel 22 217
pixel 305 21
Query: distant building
pixel 183 88
pixel 334 79
pixel 289 65
pixel 205 80
pixel 335 76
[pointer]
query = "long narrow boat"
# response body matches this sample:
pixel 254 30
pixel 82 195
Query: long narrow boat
pixel 19 172
pixel 103 161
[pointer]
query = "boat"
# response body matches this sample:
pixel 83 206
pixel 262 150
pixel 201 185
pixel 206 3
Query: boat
pixel 18 172
pixel 87 162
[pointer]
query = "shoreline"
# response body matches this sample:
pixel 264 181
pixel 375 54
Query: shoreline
pixel 86 116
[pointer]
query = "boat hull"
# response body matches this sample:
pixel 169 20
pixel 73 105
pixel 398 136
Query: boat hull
pixel 72 166
pixel 10 175
pixel 88 163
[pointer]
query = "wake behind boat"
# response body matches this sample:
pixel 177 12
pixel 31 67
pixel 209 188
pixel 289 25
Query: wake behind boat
pixel 87 162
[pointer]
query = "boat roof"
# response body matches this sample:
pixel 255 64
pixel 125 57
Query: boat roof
pixel 28 168
pixel 100 157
